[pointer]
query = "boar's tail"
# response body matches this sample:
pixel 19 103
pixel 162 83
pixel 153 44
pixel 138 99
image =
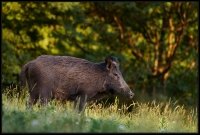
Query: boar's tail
pixel 23 76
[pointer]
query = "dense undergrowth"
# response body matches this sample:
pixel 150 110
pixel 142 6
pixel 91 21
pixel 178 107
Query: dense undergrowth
pixel 56 117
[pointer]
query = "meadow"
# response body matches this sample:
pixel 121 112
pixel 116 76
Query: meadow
pixel 152 116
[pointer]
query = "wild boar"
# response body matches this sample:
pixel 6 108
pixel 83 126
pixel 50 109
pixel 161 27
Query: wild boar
pixel 67 78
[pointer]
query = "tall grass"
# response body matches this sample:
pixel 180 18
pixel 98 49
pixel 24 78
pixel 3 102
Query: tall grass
pixel 57 117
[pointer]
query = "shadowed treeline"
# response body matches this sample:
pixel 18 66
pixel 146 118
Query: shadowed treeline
pixel 155 42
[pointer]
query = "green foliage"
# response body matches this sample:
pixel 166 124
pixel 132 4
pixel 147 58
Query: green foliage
pixel 93 30
pixel 62 118
pixel 178 84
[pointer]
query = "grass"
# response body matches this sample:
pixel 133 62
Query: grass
pixel 57 117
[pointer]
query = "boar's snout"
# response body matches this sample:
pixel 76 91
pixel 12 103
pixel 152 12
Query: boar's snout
pixel 128 93
pixel 131 94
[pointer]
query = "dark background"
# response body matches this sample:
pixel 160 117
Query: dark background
pixel 155 42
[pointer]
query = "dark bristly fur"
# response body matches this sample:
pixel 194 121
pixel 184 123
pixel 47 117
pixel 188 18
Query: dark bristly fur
pixel 66 78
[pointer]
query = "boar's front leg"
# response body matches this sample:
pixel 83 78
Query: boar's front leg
pixel 80 102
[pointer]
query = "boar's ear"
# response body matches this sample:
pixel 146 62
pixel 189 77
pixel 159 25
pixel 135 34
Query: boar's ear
pixel 108 62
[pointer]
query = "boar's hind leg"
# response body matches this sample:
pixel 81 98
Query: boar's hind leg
pixel 32 99
pixel 80 102
pixel 45 95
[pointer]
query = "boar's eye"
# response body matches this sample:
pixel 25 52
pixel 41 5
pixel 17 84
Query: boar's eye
pixel 115 74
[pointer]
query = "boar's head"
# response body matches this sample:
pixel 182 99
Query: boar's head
pixel 115 82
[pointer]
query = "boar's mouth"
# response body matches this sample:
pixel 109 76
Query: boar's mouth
pixel 112 91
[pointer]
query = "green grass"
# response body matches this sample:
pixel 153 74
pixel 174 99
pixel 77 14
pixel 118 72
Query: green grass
pixel 56 117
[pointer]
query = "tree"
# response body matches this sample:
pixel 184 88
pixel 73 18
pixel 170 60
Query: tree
pixel 156 42
pixel 161 26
